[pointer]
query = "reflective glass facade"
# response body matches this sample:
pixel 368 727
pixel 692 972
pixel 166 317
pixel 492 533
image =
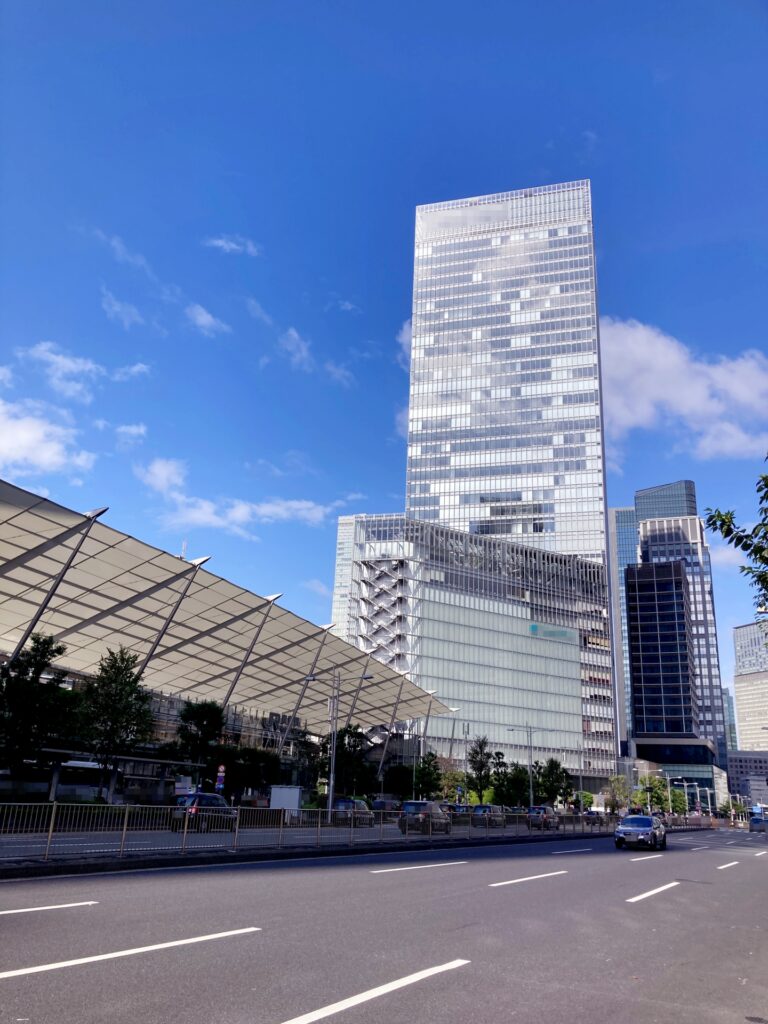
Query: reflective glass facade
pixel 509 634
pixel 660 635
pixel 683 538
pixel 505 424
pixel 676 499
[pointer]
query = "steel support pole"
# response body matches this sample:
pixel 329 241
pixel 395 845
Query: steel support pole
pixel 392 721
pixel 171 615
pixel 333 710
pixel 353 705
pixel 307 679
pixel 85 530
pixel 529 730
pixel 247 656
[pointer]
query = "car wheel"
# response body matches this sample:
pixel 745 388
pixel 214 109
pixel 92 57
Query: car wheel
pixel 619 844
pixel 663 844
pixel 654 842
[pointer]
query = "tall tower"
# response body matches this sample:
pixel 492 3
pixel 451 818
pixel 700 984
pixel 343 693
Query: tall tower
pixel 505 421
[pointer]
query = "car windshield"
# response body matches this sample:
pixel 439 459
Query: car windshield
pixel 637 822
pixel 414 806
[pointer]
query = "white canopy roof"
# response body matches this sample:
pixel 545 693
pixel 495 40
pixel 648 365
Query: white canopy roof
pixel 201 636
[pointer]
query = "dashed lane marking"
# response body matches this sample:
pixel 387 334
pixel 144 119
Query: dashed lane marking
pixel 419 867
pixel 55 906
pixel 528 878
pixel 730 864
pixel 652 892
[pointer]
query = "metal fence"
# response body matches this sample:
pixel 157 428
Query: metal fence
pixel 41 831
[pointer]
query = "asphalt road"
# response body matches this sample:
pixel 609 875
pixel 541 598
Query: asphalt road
pixel 552 933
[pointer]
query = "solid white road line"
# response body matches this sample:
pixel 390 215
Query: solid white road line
pixel 374 993
pixel 645 895
pixel 730 864
pixel 529 878
pixel 419 867
pixel 123 952
pixel 648 856
pixel 558 853
pixel 761 854
pixel 55 906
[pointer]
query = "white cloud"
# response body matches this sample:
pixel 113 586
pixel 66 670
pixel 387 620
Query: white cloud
pixel 130 434
pixel 340 374
pixel 205 322
pixel 123 312
pixel 69 376
pixel 234 515
pixel 236 244
pixel 165 476
pixel 716 407
pixel 123 254
pixel 342 304
pixel 6 376
pixel 32 443
pixel 297 349
pixel 404 337
pixel 724 556
pixel 401 422
pixel 123 373
pixel 258 312
pixel 317 587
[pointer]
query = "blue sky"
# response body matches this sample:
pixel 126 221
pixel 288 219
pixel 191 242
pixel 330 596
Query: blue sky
pixel 207 218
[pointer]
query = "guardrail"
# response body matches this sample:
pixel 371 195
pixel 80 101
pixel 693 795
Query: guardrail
pixel 40 831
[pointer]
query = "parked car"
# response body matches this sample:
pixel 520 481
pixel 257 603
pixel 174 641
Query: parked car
pixel 204 813
pixel 459 813
pixel 640 830
pixel 543 817
pixel 515 814
pixel 354 813
pixel 757 824
pixel 488 816
pixel 389 809
pixel 424 816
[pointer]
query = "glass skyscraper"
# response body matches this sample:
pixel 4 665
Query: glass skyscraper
pixel 750 683
pixel 505 419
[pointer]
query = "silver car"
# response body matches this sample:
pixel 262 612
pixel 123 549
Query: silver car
pixel 640 830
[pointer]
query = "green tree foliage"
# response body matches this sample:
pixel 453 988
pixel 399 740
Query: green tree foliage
pixel 509 781
pixel 354 774
pixel 679 802
pixel 583 799
pixel 35 712
pixel 244 768
pixel 753 542
pixel 551 781
pixel 398 780
pixel 658 797
pixel 200 727
pixel 116 711
pixel 479 764
pixel 429 776
pixel 617 793
pixel 451 781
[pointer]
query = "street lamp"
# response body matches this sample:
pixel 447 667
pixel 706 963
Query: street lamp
pixel 529 732
pixel 679 778
pixel 333 717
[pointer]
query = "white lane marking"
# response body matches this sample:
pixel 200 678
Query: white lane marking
pixel 648 856
pixel 731 842
pixel 373 993
pixel 761 854
pixel 123 952
pixel 730 864
pixel 695 848
pixel 55 906
pixel 645 895
pixel 528 878
pixel 558 853
pixel 418 867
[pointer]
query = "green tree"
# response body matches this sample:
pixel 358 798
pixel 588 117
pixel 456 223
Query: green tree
pixel 752 542
pixel 116 711
pixel 429 777
pixel 35 712
pixel 617 793
pixel 679 801
pixel 451 781
pixel 658 797
pixel 200 727
pixel 398 780
pixel 479 762
pixel 509 781
pixel 551 781
pixel 583 799
pixel 354 773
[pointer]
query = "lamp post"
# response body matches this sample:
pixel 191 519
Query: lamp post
pixel 529 734
pixel 679 778
pixel 333 717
